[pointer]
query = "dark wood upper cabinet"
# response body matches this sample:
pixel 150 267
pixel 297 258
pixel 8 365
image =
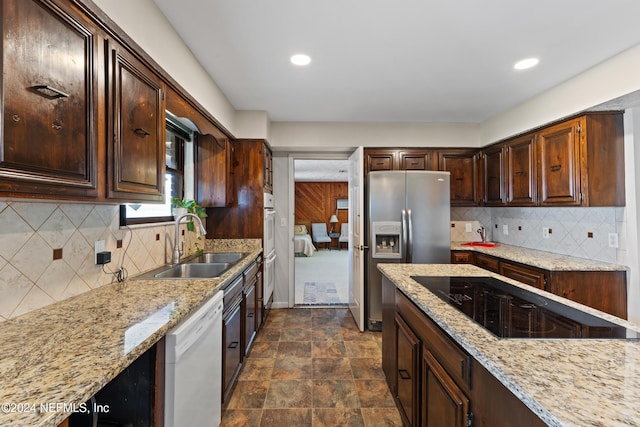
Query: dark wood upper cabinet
pixel 463 166
pixel 521 171
pixel 215 183
pixel 416 159
pixel 379 160
pixel 581 161
pixel 137 122
pixel 49 86
pixel 267 169
pixel 559 156
pixel 493 176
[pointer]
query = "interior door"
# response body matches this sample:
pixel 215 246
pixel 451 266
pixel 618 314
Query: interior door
pixel 356 236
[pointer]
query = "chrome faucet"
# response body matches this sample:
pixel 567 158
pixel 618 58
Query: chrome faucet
pixel 483 234
pixel 177 252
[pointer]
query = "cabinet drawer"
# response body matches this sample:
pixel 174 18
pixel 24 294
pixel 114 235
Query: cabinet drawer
pixel 380 163
pixel 232 292
pixel 453 359
pixel 458 257
pixel 487 262
pixel 523 274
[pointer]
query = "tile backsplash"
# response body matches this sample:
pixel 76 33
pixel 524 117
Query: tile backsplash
pixel 30 278
pixel 579 232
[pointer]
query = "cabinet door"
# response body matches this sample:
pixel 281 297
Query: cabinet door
pixel 49 86
pixel 443 402
pixel 249 316
pixel 232 349
pixel 267 168
pixel 407 380
pixel 464 176
pixel 493 176
pixel 379 160
pixel 559 157
pixel 137 148
pixel 416 160
pixel 215 183
pixel 260 312
pixel 527 275
pixel 521 172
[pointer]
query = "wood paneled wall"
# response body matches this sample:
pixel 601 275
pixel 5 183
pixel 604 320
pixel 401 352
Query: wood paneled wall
pixel 316 202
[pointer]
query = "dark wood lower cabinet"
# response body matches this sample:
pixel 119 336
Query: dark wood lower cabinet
pixel 443 402
pixel 435 383
pixel 232 350
pixel 603 290
pixel 408 357
pixel 133 398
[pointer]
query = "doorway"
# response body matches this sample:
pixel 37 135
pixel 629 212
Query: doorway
pixel 320 200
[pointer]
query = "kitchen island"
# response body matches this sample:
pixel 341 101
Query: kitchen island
pixel 54 359
pixel 564 382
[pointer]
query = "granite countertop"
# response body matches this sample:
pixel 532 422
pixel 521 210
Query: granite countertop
pixel 541 259
pixel 64 353
pixel 565 382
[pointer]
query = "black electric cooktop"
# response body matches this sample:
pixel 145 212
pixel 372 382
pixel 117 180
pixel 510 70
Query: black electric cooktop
pixel 508 311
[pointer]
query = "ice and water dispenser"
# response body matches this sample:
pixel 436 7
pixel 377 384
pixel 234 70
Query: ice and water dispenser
pixel 386 236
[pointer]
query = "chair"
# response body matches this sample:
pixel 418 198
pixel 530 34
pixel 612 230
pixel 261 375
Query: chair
pixel 344 234
pixel 319 233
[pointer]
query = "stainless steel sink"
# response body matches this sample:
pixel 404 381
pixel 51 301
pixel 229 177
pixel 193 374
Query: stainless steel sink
pixel 181 271
pixel 231 257
pixel 202 266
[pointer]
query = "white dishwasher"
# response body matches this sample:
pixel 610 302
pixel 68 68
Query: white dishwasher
pixel 193 368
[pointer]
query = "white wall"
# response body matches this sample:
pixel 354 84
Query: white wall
pixel 340 136
pixel 611 79
pixel 147 26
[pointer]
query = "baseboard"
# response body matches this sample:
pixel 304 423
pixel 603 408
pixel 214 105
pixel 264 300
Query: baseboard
pixel 280 305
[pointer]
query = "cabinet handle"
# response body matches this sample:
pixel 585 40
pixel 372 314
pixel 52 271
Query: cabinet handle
pixel 555 168
pixel 142 132
pixel 520 173
pixel 404 374
pixel 250 315
pixel 42 90
pixel 56 125
pixel 233 344
pixel 15 118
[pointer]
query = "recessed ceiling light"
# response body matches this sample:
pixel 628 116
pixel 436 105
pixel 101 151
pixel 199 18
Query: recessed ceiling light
pixel 300 59
pixel 526 63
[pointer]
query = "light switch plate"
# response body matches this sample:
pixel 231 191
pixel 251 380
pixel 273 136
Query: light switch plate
pixel 545 232
pixel 283 222
pixel 505 229
pixel 467 227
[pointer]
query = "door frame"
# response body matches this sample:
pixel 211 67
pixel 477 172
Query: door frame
pixel 315 155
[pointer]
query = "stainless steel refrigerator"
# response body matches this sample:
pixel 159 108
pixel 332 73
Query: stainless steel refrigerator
pixel 408 221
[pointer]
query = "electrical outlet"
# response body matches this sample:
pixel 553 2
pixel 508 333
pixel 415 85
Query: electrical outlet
pixel 467 227
pixel 99 246
pixel 545 232
pixel 613 240
pixel 505 229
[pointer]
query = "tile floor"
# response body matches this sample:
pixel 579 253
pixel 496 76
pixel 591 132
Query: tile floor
pixel 312 367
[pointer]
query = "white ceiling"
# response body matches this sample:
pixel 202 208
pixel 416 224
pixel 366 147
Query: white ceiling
pixel 408 60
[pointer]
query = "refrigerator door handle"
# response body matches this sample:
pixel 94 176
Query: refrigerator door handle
pixel 404 235
pixel 410 241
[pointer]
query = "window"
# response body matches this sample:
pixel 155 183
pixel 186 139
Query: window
pixel 178 180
